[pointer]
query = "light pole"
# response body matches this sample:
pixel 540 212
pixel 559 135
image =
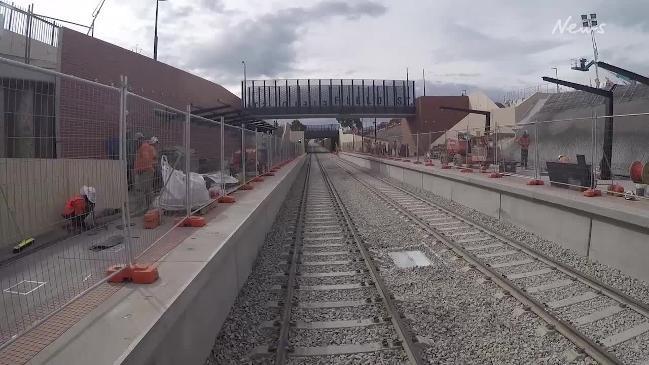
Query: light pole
pixel 590 21
pixel 155 36
pixel 423 79
pixel 244 93
pixel 556 76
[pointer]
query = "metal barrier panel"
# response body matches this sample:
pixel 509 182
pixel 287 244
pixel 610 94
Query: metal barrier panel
pixel 20 21
pixel 232 156
pixel 62 188
pixel 205 162
pixel 251 162
pixel 156 149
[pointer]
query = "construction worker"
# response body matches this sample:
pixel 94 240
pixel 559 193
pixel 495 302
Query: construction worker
pixel 524 142
pixel 78 208
pixel 144 167
pixel 157 175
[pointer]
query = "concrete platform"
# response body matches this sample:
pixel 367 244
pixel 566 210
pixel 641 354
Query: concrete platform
pixel 606 229
pixel 176 319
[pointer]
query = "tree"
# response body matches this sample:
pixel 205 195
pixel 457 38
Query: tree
pixel 350 122
pixel 296 125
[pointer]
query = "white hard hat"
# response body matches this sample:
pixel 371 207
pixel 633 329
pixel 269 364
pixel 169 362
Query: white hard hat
pixel 90 193
pixel 153 140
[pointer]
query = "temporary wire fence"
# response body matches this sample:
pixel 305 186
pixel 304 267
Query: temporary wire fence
pixel 95 176
pixel 569 153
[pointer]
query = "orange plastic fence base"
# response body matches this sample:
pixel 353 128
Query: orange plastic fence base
pixel 193 221
pixel 447 167
pixel 258 179
pixel 466 170
pixel 405 160
pixel 536 182
pixel 246 187
pixel 227 199
pixel 590 193
pixel 495 175
pixel 615 189
pixel 269 174
pixel 138 274
pixel 417 162
pixel 429 164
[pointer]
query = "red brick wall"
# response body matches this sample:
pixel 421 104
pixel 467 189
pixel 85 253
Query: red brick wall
pixel 430 118
pixel 89 115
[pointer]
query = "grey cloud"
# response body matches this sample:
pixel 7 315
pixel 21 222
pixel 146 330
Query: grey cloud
pixel 268 43
pixel 459 74
pixel 467 43
pixel 450 89
pixel 213 5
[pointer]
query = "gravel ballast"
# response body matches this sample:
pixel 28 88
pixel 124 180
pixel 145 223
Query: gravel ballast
pixel 459 317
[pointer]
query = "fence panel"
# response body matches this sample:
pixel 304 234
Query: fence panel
pixel 205 157
pixel 232 156
pixel 251 161
pixel 48 153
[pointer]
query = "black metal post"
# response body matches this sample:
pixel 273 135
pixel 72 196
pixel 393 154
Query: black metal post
pixel 252 89
pixel 155 36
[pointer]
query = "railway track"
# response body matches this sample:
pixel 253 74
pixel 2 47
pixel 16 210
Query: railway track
pixel 574 304
pixel 335 302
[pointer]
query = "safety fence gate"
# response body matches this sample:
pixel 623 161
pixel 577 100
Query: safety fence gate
pixel 95 176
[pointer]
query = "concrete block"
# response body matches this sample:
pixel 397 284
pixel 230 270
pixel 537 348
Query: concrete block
pixel 485 201
pixel 413 178
pixel 564 227
pixel 620 247
pixel 439 186
pixel 395 172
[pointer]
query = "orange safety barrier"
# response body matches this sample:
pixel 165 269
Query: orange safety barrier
pixel 227 199
pixel 246 187
pixel 257 179
pixel 615 189
pixel 138 273
pixel 429 164
pixel 495 175
pixel 589 193
pixel 536 182
pixel 152 219
pixel 192 221
pixel 467 170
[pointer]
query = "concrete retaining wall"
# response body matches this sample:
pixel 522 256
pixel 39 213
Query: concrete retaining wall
pixel 619 239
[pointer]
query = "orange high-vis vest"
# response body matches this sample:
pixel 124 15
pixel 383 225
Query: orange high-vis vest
pixel 145 158
pixel 75 206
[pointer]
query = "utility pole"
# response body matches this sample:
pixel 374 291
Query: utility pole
pixel 155 35
pixel 556 76
pixel 374 130
pixel 423 77
pixel 590 21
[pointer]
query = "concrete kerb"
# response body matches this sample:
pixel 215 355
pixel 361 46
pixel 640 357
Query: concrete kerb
pixel 176 319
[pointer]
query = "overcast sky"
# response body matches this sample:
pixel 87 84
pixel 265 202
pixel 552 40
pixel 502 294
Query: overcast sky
pixel 495 46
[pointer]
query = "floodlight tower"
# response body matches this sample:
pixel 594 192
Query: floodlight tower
pixel 590 21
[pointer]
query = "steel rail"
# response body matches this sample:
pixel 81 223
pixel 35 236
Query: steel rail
pixel 408 345
pixel 283 347
pixel 590 347
pixel 594 283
